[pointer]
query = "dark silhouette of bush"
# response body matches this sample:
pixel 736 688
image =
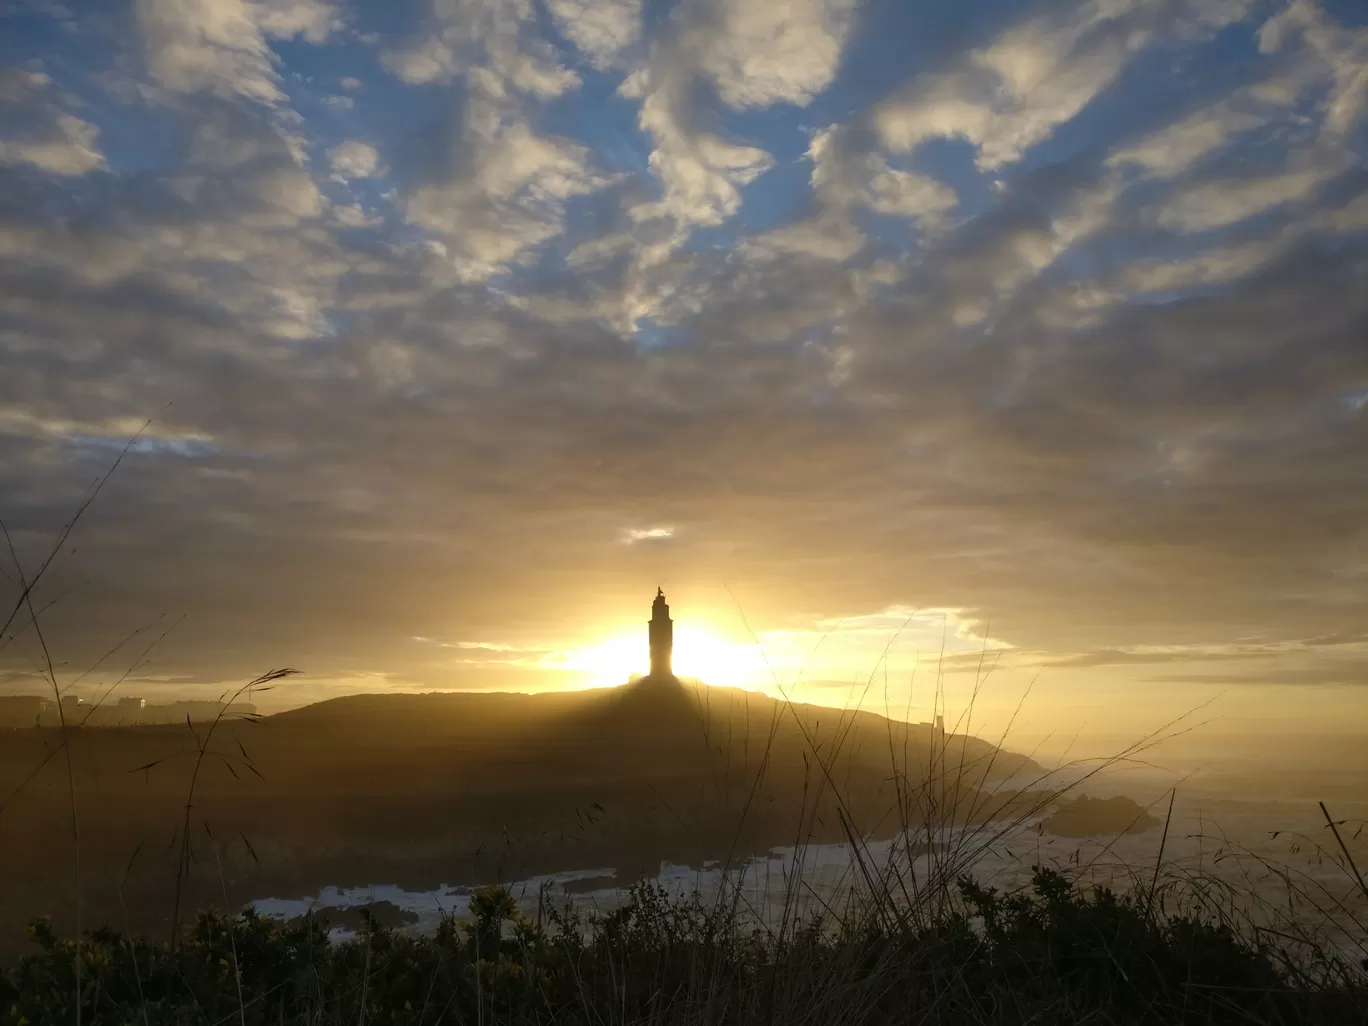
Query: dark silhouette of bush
pixel 1054 955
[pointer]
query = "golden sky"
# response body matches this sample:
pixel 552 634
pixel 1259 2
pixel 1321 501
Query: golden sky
pixel 918 329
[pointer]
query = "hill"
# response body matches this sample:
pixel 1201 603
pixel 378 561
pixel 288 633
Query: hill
pixel 423 790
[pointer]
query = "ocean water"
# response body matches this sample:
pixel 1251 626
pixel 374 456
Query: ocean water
pixel 1273 864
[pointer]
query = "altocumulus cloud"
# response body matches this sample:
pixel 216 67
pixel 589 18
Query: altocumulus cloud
pixel 1049 313
pixel 645 534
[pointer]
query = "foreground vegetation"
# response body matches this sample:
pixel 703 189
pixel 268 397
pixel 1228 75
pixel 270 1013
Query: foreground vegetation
pixel 1054 955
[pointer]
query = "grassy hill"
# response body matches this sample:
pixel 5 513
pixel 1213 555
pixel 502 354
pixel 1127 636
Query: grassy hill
pixel 422 790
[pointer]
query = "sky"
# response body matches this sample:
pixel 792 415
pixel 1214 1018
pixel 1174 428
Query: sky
pixel 904 345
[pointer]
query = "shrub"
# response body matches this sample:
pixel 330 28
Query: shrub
pixel 1053 955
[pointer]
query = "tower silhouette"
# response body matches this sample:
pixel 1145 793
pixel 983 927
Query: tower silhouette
pixel 661 629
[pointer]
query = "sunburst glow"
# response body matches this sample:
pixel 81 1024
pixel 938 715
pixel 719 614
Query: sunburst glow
pixel 698 653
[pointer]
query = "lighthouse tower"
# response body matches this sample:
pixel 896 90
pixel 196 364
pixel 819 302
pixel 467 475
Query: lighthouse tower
pixel 661 629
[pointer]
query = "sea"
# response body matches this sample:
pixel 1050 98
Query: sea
pixel 1271 865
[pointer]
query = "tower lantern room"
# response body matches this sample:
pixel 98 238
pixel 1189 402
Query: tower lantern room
pixel 661 629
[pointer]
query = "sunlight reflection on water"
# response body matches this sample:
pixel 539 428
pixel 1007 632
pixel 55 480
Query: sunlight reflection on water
pixel 1234 845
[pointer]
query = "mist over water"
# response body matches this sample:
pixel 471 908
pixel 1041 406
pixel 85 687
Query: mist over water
pixel 1272 858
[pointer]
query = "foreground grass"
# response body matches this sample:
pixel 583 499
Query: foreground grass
pixel 1053 955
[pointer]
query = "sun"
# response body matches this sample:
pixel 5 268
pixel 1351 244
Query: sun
pixel 698 653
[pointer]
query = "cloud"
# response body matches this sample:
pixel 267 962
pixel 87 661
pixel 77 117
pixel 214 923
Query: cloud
pixel 34 130
pixel 754 54
pixel 1217 202
pixel 867 379
pixel 700 173
pixel 1012 501
pixel 596 252
pixel 1178 146
pixel 354 216
pixel 218 46
pixel 1345 638
pixel 602 29
pixel 759 53
pixel 824 237
pixel 1282 79
pixel 1306 51
pixel 846 175
pixel 312 20
pixel 506 195
pixel 1216 266
pixel 1341 53
pixel 500 187
pixel 1146 656
pixel 430 62
pixel 252 168
pixel 353 159
pixel 1010 95
pixel 120 428
pixel 495 36
pixel 71 149
pixel 633 535
pixel 1294 676
pixel 222 46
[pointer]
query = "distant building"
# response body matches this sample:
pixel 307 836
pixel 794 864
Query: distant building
pixel 127 711
pixel 22 710
pixel 71 711
pixel 32 710
pixel 661 633
pixel 940 726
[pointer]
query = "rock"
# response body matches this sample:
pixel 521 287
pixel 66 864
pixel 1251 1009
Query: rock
pixel 353 917
pixel 1097 817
